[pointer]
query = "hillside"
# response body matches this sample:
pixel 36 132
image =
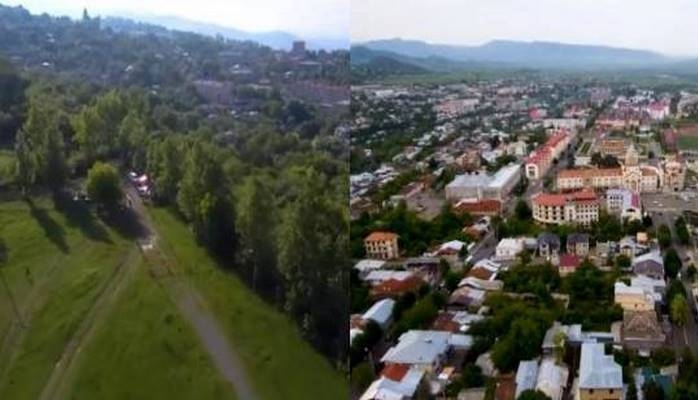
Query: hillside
pixel 535 54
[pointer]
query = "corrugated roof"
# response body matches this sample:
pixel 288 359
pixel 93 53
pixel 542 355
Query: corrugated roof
pixel 598 370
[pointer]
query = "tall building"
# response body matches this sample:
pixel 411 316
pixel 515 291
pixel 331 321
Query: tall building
pixel 298 47
pixel 539 161
pixel 581 207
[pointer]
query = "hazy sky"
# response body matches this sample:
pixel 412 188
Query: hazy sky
pixel 668 26
pixel 304 17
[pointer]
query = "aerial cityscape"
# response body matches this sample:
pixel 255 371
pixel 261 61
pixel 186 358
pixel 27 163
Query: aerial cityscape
pixel 523 212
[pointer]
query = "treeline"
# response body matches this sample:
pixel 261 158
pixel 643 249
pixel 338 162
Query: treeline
pixel 271 206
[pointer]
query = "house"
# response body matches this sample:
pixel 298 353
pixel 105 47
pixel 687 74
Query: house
pixel 526 376
pixel 425 267
pixel 548 245
pixel 509 248
pixel 600 377
pixel 455 322
pixel 548 378
pixel 399 382
pixel 395 287
pixel 627 246
pixel 650 264
pixel 466 297
pixel 366 266
pixel 381 245
pixel 425 350
pixel 379 276
pixel 381 312
pixel 578 243
pixel 568 263
pixel 552 378
pixel 633 298
pixel 642 331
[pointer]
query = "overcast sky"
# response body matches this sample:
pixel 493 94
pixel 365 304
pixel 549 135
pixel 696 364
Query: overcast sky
pixel 667 26
pixel 329 18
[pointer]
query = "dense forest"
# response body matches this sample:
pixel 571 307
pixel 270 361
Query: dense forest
pixel 265 192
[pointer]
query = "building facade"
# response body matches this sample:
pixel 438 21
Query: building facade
pixel 381 245
pixel 581 207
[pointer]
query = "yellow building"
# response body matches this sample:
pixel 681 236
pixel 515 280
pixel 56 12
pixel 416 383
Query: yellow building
pixel 381 245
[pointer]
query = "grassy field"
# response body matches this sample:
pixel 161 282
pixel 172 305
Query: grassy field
pixel 686 142
pixel 280 364
pixel 59 263
pixel 144 346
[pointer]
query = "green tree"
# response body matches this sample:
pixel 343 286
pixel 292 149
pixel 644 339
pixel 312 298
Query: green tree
pixel 522 210
pixel 104 185
pixel 664 236
pixel 531 394
pixel 672 263
pixel 26 162
pixel 679 310
pixel 255 222
pixel 165 167
pixel 472 376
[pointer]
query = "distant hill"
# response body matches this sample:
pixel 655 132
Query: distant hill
pixel 383 63
pixel 274 39
pixel 525 54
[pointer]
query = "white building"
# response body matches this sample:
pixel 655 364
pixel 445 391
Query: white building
pixel 509 248
pixel 425 350
pixel 380 312
pixel 599 375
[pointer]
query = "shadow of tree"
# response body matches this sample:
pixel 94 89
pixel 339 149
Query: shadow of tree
pixel 79 215
pixel 53 230
pixel 126 222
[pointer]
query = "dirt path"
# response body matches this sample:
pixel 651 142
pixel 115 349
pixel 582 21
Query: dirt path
pixel 191 305
pixel 107 293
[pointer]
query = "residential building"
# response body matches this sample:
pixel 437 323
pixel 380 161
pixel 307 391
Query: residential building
pixel 552 378
pixel 642 331
pixel 425 350
pixel 580 207
pixel 509 248
pixel 396 382
pixel 548 245
pixel 366 266
pixel 381 312
pixel 633 298
pixel 381 245
pixel 600 377
pixel 649 264
pixel 674 171
pixel 479 207
pixel 578 244
pixel 539 161
pixel 625 203
pixel 568 263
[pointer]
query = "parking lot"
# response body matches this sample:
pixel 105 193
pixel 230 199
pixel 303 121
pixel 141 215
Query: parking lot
pixel 669 202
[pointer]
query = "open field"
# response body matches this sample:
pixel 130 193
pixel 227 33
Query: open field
pixel 268 343
pixel 96 324
pixel 144 346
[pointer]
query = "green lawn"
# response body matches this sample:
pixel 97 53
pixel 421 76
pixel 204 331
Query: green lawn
pixel 687 142
pixel 59 262
pixel 144 347
pixel 280 364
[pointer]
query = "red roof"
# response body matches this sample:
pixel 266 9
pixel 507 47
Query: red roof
pixel 479 207
pixel 380 236
pixel 480 273
pixel 394 287
pixel 395 372
pixel 560 199
pixel 569 260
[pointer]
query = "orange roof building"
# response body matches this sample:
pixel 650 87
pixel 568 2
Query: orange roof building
pixel 381 245
pixel 580 207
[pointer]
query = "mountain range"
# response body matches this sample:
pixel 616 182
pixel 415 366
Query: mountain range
pixel 513 54
pixel 274 39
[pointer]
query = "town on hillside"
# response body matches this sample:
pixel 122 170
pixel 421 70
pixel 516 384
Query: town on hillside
pixel 523 237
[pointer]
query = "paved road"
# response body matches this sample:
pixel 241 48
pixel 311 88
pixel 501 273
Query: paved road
pixel 193 307
pixel 686 335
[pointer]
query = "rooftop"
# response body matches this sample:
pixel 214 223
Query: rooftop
pixel 380 236
pixel 598 370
